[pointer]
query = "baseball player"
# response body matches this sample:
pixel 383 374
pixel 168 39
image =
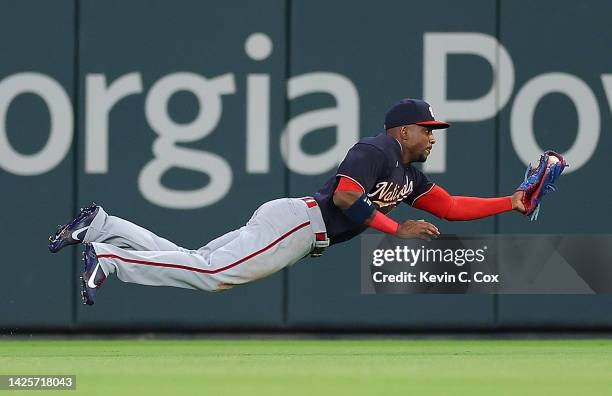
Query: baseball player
pixel 375 176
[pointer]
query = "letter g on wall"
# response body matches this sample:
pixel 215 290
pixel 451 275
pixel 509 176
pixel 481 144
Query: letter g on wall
pixel 167 155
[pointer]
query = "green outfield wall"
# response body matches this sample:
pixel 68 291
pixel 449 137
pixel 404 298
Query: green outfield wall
pixel 185 116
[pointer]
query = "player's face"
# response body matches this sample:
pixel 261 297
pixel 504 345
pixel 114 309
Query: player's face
pixel 420 142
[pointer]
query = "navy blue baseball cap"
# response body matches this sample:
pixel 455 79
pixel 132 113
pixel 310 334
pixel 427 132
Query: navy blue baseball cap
pixel 412 111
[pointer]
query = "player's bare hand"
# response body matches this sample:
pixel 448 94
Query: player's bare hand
pixel 417 229
pixel 517 202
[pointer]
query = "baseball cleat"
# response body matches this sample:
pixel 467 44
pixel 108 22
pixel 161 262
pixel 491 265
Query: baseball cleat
pixel 93 277
pixel 73 232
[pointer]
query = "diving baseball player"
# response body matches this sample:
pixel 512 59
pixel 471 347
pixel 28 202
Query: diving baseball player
pixel 375 176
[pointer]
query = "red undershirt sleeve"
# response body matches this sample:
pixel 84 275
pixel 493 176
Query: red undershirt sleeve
pixel 380 221
pixel 443 205
pixel 346 184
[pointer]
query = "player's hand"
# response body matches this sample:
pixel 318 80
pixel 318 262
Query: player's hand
pixel 417 229
pixel 517 201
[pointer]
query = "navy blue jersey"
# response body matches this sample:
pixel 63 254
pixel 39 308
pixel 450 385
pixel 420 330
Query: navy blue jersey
pixel 376 164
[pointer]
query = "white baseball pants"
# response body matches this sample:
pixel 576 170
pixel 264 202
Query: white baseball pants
pixel 279 233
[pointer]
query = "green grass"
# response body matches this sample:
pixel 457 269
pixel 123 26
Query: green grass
pixel 314 367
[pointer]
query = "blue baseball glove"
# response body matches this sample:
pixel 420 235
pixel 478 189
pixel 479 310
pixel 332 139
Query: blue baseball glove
pixel 540 180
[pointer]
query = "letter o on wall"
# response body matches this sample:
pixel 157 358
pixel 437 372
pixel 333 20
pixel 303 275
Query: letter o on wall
pixel 61 124
pixel 521 119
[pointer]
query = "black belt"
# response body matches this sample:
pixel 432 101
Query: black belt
pixel 321 239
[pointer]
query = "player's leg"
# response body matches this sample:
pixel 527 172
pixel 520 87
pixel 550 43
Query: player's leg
pixel 93 224
pixel 222 240
pixel 122 233
pixel 279 234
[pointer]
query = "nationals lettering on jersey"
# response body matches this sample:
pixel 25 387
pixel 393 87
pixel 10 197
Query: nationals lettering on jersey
pixel 387 194
pixel 375 163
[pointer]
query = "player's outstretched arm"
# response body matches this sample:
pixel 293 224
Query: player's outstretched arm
pixel 455 208
pixel 346 200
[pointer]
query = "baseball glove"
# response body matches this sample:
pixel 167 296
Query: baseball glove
pixel 540 180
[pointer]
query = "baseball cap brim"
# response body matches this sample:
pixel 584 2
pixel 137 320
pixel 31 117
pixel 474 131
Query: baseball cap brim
pixel 434 124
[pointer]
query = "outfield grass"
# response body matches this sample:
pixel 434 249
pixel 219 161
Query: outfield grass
pixel 314 367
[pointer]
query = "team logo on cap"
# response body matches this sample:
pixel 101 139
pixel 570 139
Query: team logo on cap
pixel 431 112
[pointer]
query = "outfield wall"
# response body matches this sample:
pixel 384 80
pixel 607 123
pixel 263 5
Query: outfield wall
pixel 185 116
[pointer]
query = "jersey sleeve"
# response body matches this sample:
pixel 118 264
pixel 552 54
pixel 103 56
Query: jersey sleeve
pixel 421 186
pixel 363 164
